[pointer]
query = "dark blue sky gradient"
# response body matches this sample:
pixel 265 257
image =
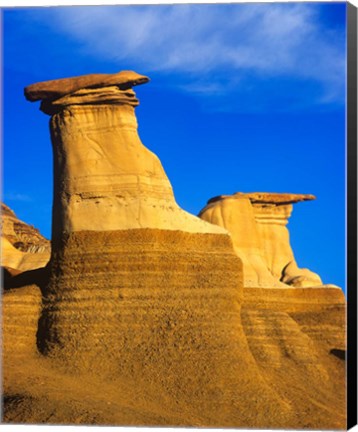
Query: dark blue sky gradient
pixel 220 121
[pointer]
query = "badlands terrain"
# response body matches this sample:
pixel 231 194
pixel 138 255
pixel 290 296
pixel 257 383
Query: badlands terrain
pixel 139 313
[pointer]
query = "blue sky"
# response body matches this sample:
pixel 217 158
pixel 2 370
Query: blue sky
pixel 243 97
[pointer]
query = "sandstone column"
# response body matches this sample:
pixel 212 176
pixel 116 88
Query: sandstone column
pixel 257 223
pixel 105 178
pixel 272 212
pixel 236 214
pixel 139 288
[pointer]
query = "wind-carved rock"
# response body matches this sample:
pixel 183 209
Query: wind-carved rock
pixel 22 246
pixel 258 225
pixel 272 212
pixel 139 288
pixel 146 302
pixel 105 178
pixel 24 254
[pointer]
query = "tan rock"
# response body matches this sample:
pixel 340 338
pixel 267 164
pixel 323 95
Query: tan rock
pixel 22 246
pixel 236 214
pixel 272 216
pixel 298 339
pixel 20 314
pixel 108 179
pixel 257 223
pixel 146 321
pixel 23 261
pixel 137 285
pixel 275 198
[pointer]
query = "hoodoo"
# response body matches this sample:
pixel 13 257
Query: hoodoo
pixel 105 179
pixel 137 285
pixel 258 225
pixel 141 316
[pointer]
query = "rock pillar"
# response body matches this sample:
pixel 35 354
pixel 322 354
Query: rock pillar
pixel 258 225
pixel 272 212
pixel 236 214
pixel 138 288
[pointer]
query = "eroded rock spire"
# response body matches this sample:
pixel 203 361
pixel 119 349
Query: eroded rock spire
pixel 137 285
pixel 104 177
pixel 257 222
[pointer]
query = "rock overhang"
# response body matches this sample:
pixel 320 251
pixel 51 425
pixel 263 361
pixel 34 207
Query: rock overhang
pixel 54 89
pixel 274 198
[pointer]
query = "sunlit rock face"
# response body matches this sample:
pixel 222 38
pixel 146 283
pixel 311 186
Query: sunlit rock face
pixel 22 246
pixel 24 254
pixel 136 284
pixel 143 317
pixel 258 226
pixel 105 178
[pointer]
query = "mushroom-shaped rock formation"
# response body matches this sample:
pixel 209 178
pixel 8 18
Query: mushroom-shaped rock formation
pixel 139 289
pixel 257 222
pixel 105 178
pixel 144 317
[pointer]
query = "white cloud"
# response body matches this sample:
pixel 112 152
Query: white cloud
pixel 17 197
pixel 274 39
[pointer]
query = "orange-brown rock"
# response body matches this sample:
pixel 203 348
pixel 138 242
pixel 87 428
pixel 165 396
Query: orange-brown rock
pixel 21 310
pixel 297 337
pixel 268 197
pixel 137 285
pixel 257 223
pixel 55 89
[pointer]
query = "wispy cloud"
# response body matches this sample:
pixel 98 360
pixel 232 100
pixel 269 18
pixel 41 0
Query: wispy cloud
pixel 16 197
pixel 207 42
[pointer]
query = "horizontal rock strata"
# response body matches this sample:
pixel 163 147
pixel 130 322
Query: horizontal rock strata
pixel 167 315
pixel 138 288
pixel 144 317
pixel 105 178
pixel 297 336
pixel 22 236
pixel 20 315
pixel 54 89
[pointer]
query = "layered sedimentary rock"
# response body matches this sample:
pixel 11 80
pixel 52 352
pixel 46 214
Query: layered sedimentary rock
pixel 24 253
pixel 295 326
pixel 105 178
pixel 23 247
pixel 136 284
pixel 272 212
pixel 298 339
pixel 144 317
pixel 21 310
pixel 257 223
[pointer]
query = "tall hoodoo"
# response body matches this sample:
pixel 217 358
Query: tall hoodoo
pixel 137 285
pixel 258 225
pixel 105 178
